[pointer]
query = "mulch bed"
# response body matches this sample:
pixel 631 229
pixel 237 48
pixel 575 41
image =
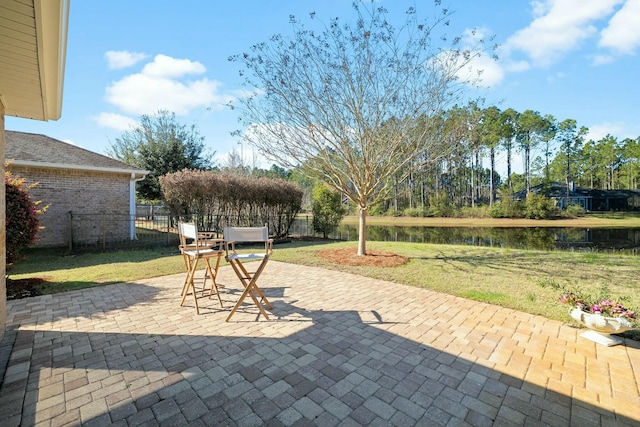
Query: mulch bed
pixel 348 256
pixel 23 288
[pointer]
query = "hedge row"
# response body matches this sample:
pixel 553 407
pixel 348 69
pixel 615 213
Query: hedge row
pixel 218 199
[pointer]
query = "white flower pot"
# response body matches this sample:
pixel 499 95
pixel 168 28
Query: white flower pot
pixel 601 327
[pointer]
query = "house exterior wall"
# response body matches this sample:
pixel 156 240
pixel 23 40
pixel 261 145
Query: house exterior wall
pixel 3 251
pixel 98 201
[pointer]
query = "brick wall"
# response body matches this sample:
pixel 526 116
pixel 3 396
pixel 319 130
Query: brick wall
pixel 95 198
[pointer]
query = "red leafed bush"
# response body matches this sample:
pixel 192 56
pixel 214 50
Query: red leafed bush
pixel 22 222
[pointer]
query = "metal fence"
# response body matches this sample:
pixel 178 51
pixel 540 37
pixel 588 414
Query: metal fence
pixel 150 227
pixel 100 231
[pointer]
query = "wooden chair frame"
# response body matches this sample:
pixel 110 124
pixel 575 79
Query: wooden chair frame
pixel 195 246
pixel 233 235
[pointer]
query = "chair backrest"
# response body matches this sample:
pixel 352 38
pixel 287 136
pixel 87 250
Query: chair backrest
pixel 246 234
pixel 186 231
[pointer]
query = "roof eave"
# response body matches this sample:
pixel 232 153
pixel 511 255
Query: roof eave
pixel 52 18
pixel 27 163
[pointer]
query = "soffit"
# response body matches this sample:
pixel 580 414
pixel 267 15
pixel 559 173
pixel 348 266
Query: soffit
pixel 33 39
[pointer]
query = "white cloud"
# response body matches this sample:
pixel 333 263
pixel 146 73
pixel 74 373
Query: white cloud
pixel 555 77
pixel 115 121
pixel 482 69
pixel 603 59
pixel 517 66
pixel 558 28
pixel 123 59
pixel 166 66
pixel 601 130
pixel 159 87
pixel 622 34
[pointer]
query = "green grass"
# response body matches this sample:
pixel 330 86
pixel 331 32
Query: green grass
pixel 507 277
pixel 490 297
pixel 68 272
pixel 512 278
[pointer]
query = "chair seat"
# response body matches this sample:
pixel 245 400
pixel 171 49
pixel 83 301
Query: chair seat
pixel 202 252
pixel 246 256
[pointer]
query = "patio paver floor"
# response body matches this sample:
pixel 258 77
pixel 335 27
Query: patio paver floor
pixel 340 350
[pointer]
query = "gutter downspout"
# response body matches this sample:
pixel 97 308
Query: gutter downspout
pixel 132 205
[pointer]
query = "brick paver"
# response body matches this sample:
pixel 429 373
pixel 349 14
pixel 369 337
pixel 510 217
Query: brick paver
pixel 340 350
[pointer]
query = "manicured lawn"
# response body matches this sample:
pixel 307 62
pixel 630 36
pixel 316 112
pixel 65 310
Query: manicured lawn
pixel 66 272
pixel 511 278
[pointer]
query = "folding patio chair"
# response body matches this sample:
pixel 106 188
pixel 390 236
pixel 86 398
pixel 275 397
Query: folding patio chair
pixel 195 246
pixel 234 235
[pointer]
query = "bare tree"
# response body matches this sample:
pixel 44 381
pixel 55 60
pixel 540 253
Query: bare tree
pixel 353 103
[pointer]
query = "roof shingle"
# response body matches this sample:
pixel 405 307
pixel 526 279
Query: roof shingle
pixel 31 147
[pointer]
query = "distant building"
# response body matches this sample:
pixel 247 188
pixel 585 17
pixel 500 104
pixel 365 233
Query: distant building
pixel 589 199
pixel 615 200
pixel 75 182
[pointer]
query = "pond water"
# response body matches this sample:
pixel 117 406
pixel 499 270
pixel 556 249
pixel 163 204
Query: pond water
pixel 542 238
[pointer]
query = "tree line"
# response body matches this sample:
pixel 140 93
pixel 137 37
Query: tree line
pixel 551 151
pixel 457 180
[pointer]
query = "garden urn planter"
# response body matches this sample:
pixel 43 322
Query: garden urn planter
pixel 601 327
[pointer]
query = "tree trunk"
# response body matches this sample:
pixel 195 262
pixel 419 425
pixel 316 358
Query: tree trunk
pixel 477 192
pixel 527 151
pixel 411 187
pixel 362 232
pixel 492 189
pixel 395 194
pixel 546 164
pixel 473 183
pixel 509 166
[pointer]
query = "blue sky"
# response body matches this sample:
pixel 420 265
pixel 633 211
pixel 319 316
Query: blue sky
pixel 569 58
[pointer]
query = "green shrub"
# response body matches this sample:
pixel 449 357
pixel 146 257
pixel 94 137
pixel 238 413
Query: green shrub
pixel 574 211
pixel 392 212
pixel 481 211
pixel 414 212
pixel 507 207
pixel 376 210
pixel 537 206
pixel 440 206
pixel 495 211
pixel 327 210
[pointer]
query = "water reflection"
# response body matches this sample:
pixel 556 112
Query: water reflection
pixel 543 238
